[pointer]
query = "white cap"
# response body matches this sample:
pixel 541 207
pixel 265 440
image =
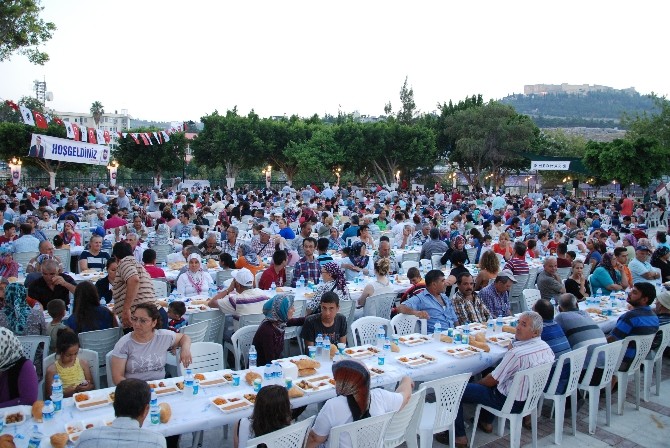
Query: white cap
pixel 244 277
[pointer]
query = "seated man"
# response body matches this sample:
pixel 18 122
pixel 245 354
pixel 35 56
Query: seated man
pixel 432 303
pixel 276 272
pixel 578 326
pixel 496 295
pixel 663 312
pixel 52 285
pixel 131 407
pixel 327 323
pixel 548 281
pixel 528 350
pixel 641 268
pixel 467 304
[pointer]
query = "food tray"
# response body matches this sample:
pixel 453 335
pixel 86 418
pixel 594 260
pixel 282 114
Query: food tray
pixel 414 339
pixel 474 328
pixel 213 379
pixel 501 339
pixel 416 360
pixel 197 308
pixel 95 400
pixel 23 410
pixel 361 352
pixel 231 403
pixel 316 384
pixel 74 429
pixel 164 387
pixel 376 370
pixel 464 351
pixel 597 317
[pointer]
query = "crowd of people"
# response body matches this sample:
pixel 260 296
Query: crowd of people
pixel 329 238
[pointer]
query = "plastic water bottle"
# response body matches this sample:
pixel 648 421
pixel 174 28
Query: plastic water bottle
pixel 553 303
pixel 387 345
pixel 612 300
pixel 57 393
pixel 212 290
pixel 273 287
pixel 103 302
pixel 268 375
pixel 319 346
pixel 490 326
pixel 381 336
pixel 155 411
pixel 20 270
pixel 437 329
pixel 279 374
pixel 253 356
pixel 466 334
pixel 326 349
pixel 163 265
pixel 599 292
pixel 304 282
pixel 188 383
pixel 48 410
pixel 173 297
pixel 35 438
pixel 499 324
pixel 361 278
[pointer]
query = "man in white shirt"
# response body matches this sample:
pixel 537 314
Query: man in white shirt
pixel 26 242
pixel 641 268
pixel 240 298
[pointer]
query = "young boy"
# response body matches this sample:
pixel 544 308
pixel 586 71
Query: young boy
pixel 56 309
pixel 176 311
pixel 328 322
pixel 322 247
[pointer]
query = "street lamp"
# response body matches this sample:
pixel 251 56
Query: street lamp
pixel 15 169
pixel 113 167
pixel 187 160
pixel 338 172
pixel 268 176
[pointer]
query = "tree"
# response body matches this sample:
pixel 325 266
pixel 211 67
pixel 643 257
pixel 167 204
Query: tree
pixel 407 110
pixel 22 30
pixel 31 103
pixel 654 126
pixel 97 109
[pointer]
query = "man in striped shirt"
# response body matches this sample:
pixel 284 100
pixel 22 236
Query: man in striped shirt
pixel 528 350
pixel 517 264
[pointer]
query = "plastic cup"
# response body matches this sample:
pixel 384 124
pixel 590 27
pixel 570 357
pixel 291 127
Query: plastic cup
pixel 257 385
pixel 380 359
pixel 289 382
pixel 236 379
pixel 196 387
pixel 340 347
pixel 312 352
pixel 2 421
pixel 396 339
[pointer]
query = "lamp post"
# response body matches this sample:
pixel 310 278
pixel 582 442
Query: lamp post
pixel 338 173
pixel 113 167
pixel 187 160
pixel 15 169
pixel 268 176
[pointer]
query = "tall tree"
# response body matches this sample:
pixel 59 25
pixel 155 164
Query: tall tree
pixel 97 109
pixel 22 30
pixel 407 110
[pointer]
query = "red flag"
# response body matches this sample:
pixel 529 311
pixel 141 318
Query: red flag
pixel 40 121
pixel 58 121
pixel 144 138
pixel 91 135
pixel 107 137
pixel 77 132
pixel 13 105
pixel 134 137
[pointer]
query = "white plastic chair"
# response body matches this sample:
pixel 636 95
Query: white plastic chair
pixel 515 294
pixel 294 332
pixel 642 346
pixel 404 425
pixel 222 276
pixel 379 305
pixel 197 332
pixel 403 324
pixel 108 370
pixel 435 261
pixel 535 379
pixel 160 288
pixel 364 330
pixel 215 328
pixel 162 251
pixel 655 364
pixel 530 296
pixel 575 359
pixel 292 436
pixel 206 357
pixel 564 273
pixel 23 258
pixel 532 278
pixel 239 345
pixel 472 254
pixel 411 256
pixel 31 343
pixel 612 356
pixel 89 356
pixel 65 257
pixel 257 277
pixel 366 433
pixel 441 415
pixel 426 264
pixel 348 309
pixel 407 265
pixel 102 342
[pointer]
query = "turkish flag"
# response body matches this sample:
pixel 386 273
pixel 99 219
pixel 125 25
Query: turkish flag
pixel 77 132
pixel 40 121
pixel 91 135
pixel 144 138
pixel 107 137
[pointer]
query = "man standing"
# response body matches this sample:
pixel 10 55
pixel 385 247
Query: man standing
pixel 549 282
pixel 640 267
pixel 432 303
pixel 496 295
pixel 308 266
pixel 467 305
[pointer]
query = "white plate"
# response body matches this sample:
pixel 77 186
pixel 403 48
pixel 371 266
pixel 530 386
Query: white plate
pixel 361 352
pixel 23 410
pixel 315 384
pixel 501 339
pixel 416 360
pixel 463 351
pixel 169 387
pixel 233 403
pixel 414 339
pixel 95 400
pixel 214 379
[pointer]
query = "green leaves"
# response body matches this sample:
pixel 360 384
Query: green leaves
pixel 22 30
pixel 157 158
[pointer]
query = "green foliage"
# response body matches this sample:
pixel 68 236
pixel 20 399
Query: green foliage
pixel 97 109
pixel 438 124
pixel 15 142
pixel 31 103
pixel 7 114
pixel 656 126
pixel 407 110
pixel 22 30
pixel 158 158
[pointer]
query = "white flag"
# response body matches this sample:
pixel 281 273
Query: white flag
pixel 69 129
pixel 27 116
pixel 158 140
pixel 100 136
pixel 165 135
pixel 84 133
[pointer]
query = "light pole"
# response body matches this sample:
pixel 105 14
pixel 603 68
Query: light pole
pixel 113 167
pixel 268 176
pixel 15 169
pixel 338 172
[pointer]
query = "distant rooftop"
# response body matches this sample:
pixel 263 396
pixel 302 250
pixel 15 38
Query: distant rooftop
pixel 574 89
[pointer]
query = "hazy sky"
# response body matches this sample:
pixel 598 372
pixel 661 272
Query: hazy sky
pixel 176 60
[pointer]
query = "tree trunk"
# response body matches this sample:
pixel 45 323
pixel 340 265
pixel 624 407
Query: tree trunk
pixel 52 180
pixel 158 179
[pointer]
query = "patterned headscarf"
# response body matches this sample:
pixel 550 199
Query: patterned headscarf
pixel 66 237
pixel 458 239
pixel 355 255
pixel 249 254
pixel 338 275
pixel 352 380
pixel 16 308
pixel 659 253
pixel 607 263
pixel 10 349
pixel 631 239
pixel 276 309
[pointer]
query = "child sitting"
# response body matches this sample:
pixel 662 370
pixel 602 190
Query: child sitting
pixel 75 373
pixel 56 309
pixel 176 311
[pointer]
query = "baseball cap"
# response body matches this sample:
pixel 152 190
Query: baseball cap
pixel 643 248
pixel 508 274
pixel 244 277
pixel 266 230
pixel 664 298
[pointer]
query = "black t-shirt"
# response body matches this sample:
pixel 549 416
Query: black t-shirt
pixel 314 326
pixel 39 291
pixel 572 287
pixel 458 270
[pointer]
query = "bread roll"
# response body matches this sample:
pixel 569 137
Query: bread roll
pixel 250 377
pixel 7 441
pixel 509 329
pixel 446 338
pixel 333 351
pixel 394 347
pixel 480 337
pixel 306 363
pixel 37 411
pixel 165 412
pixel 306 372
pixel 481 345
pixel 295 392
pixel 59 440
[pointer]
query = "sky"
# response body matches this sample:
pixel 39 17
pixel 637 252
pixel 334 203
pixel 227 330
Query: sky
pixel 174 60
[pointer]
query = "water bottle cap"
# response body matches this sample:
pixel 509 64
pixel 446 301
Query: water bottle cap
pixel 268 365
pixel 56 377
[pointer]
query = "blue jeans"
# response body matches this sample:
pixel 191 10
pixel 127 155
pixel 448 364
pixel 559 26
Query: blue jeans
pixel 488 396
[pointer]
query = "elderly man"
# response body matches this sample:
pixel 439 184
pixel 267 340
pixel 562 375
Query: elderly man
pixel 421 236
pixel 549 282
pixel 640 267
pixel 384 251
pixel 467 305
pixel 45 248
pixel 122 201
pixel 230 245
pixel 101 195
pixel 240 298
pixel 496 295
pixel 434 245
pixel 528 350
pixel 264 244
pixel 52 285
pixel 432 303
pixel 578 326
pixel 208 248
pixel 305 232
pixel 134 242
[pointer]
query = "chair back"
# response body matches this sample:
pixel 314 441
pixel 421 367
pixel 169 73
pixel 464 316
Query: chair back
pixel 289 274
pixel 411 256
pixel 364 330
pixel 23 258
pixel 222 276
pixel 518 287
pixel 30 344
pixel 665 341
pixel 403 324
pixel 530 296
pixel 405 422
pixel 197 332
pixel 257 278
pixel 241 341
pixel 642 347
pixel 576 359
pixel 448 394
pixel 532 278
pixel 291 436
pixel 160 287
pixel 564 273
pixel 406 265
pixel 162 251
pixel 215 329
pixel 472 254
pixel 611 356
pixel 65 257
pixel 251 319
pixel 435 261
pixel 206 357
pixel 100 341
pixel 380 305
pixel 535 379
pixel 89 356
pixel 366 433
pixel 108 370
pixel 347 309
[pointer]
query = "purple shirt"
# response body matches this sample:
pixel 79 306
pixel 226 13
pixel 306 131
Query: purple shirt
pixel 27 386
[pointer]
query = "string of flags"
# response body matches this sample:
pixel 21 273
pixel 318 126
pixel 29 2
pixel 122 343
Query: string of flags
pixel 89 135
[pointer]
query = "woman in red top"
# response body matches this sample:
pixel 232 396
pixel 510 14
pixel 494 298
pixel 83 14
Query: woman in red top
pixel 504 246
pixel 553 244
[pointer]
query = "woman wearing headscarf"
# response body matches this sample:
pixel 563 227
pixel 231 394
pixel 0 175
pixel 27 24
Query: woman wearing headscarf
pixel 659 259
pixel 630 243
pixel 162 236
pixel 609 275
pixel 333 280
pixel 247 258
pixel 457 245
pixel 8 267
pixel 69 235
pixel 269 338
pixel 355 401
pixel 18 378
pixel 334 240
pixel 18 316
pixel 358 260
pixel 195 281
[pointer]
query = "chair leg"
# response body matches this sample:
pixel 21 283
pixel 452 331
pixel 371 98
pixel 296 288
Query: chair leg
pixel 501 426
pixel 452 436
pixel 608 405
pixel 533 422
pixel 425 438
pixel 621 392
pixel 637 389
pixel 474 426
pixel 593 411
pixel 573 408
pixel 559 406
pixel 657 368
pixel 646 383
pixel 515 431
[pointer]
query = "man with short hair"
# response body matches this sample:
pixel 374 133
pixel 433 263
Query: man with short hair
pixel 621 255
pixel 134 242
pixel 432 303
pixel 384 251
pixel 352 230
pixel 209 249
pixel 115 220
pixel 45 248
pixel 322 249
pixel 52 285
pixel 10 233
pixel 308 266
pixel 548 281
pixel 496 295
pixel 240 298
pixel 421 236
pixel 418 285
pixel 264 244
pixel 26 242
pixel 517 264
pixel 122 201
pixel 131 407
pixel 329 323
pixel 276 273
pixel 434 245
pixel 578 326
pixel 305 232
pixel 640 267
pixel 467 305
pixel 553 335
pixel 231 244
pixel 149 261
pixel 562 260
pixel 182 230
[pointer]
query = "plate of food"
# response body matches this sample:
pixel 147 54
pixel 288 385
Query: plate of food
pixel 91 400
pixel 378 370
pixel 501 339
pixel 597 317
pixel 197 308
pixel 361 352
pixel 285 289
pixel 16 417
pixel 212 379
pixel 415 360
pixel 164 387
pixel 231 403
pixel 316 384
pixel 414 339
pixel 464 351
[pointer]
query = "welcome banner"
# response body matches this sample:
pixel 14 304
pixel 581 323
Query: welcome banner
pixel 53 148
